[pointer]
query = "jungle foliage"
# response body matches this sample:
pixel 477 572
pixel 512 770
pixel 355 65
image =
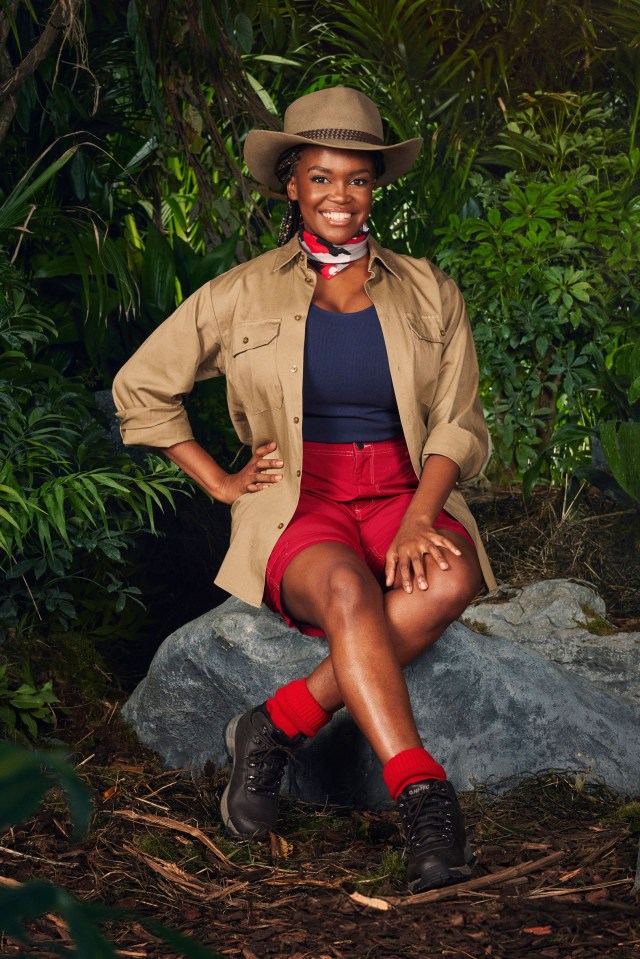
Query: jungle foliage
pixel 122 190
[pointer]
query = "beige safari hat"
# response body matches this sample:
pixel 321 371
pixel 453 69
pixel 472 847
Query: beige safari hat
pixel 338 117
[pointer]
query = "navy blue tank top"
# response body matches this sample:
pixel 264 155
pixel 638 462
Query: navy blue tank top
pixel 347 393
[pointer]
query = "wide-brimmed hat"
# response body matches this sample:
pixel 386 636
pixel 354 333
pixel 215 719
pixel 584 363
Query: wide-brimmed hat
pixel 338 117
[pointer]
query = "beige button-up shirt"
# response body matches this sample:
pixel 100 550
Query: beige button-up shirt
pixel 248 325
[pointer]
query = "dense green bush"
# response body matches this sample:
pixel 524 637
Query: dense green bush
pixel 69 506
pixel 546 254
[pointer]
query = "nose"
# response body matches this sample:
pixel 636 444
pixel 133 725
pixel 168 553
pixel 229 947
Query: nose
pixel 339 191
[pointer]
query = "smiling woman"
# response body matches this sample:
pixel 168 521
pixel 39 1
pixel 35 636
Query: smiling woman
pixel 351 373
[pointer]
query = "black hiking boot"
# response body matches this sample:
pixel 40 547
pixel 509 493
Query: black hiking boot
pixel 439 854
pixel 259 753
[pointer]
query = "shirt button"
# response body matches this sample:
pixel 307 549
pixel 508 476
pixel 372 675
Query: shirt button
pixel 441 332
pixel 296 419
pixel 294 369
pixel 308 279
pixel 280 525
pixel 298 473
pixel 298 316
pixel 245 339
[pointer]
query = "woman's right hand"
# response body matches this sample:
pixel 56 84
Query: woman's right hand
pixel 252 478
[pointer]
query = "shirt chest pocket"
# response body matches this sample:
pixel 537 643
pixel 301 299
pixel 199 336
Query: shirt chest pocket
pixel 426 339
pixel 253 372
pixel 426 327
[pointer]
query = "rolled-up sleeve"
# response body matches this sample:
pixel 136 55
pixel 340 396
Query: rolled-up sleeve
pixel 456 427
pixel 148 391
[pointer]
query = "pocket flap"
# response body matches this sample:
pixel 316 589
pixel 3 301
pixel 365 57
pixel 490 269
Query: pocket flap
pixel 250 335
pixel 427 326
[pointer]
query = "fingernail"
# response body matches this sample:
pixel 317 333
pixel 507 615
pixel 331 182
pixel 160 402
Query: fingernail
pixel 444 566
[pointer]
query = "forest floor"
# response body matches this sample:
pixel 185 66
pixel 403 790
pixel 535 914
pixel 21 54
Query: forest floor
pixel 556 855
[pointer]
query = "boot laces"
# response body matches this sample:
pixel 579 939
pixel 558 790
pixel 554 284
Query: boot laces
pixel 429 817
pixel 267 763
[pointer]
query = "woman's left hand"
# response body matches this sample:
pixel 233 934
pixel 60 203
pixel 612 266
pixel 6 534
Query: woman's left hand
pixel 406 556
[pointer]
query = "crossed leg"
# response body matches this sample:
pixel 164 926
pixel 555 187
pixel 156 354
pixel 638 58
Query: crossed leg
pixel 372 635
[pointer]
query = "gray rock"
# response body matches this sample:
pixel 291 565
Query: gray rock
pixel 486 708
pixel 561 619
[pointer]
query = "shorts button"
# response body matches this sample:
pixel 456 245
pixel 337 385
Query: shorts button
pixel 296 419
pixel 245 339
pixel 280 525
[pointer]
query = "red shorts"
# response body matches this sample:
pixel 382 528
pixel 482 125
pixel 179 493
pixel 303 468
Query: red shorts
pixel 352 496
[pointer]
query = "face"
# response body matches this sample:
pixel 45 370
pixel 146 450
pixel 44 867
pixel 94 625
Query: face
pixel 334 189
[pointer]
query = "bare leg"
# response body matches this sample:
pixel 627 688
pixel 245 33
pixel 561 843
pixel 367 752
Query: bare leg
pixel 371 636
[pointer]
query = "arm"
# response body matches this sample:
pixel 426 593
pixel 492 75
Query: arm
pixel 456 447
pixel 416 536
pixel 226 487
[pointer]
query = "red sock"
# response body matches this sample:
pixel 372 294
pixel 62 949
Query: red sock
pixel 293 710
pixel 410 766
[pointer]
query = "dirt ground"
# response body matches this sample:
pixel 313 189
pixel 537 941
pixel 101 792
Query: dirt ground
pixel 556 856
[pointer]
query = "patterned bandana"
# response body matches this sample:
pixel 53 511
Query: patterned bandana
pixel 328 259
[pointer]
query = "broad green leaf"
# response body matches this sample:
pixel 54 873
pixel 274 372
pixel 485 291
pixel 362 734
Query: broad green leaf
pixel 621 447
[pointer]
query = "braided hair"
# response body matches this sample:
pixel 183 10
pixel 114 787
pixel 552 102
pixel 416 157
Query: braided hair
pixel 285 167
pixel 284 170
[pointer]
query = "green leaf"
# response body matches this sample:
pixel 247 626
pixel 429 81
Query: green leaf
pixel 243 32
pixel 158 275
pixel 621 447
pixel 24 785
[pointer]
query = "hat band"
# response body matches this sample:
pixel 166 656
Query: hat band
pixel 335 133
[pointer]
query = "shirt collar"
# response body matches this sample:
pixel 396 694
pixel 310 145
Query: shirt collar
pixel 285 254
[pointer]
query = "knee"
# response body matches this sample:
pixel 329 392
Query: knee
pixel 452 590
pixel 350 589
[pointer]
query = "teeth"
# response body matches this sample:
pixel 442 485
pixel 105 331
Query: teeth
pixel 337 217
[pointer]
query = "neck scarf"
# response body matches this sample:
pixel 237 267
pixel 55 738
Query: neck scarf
pixel 329 259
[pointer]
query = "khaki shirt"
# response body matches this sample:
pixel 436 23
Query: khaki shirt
pixel 248 325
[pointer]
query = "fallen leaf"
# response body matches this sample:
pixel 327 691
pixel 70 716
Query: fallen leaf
pixel 129 902
pixel 280 848
pixel 373 903
pixel 109 793
pixel 538 930
pixel 597 895
pixel 189 914
pixel 126 767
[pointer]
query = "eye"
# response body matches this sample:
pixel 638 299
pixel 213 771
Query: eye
pixel 360 181
pixel 318 178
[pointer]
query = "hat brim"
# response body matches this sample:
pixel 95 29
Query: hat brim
pixel 263 147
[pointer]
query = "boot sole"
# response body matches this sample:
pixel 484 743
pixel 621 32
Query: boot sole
pixel 229 739
pixel 439 875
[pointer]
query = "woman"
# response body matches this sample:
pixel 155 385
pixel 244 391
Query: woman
pixel 354 462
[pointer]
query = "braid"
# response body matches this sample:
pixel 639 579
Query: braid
pixel 285 166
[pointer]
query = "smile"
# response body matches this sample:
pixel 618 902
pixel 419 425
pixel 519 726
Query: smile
pixel 337 217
